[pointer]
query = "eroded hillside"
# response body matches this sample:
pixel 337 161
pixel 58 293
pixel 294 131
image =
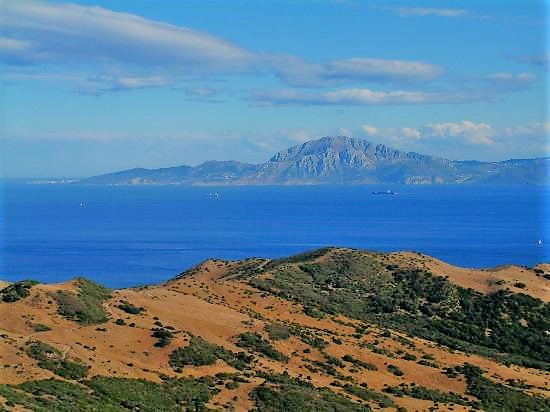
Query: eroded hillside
pixel 333 330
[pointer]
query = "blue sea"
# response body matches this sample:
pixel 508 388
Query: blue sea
pixel 131 235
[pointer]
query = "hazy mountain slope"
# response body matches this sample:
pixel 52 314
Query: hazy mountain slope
pixel 333 329
pixel 339 160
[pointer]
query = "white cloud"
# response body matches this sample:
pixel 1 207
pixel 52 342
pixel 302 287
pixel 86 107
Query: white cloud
pixel 509 82
pixel 410 133
pixel 41 33
pixel 522 77
pixel 100 84
pixel 297 72
pixel 475 133
pixel 467 139
pixel 430 11
pixel 369 130
pixel 362 97
pixel 542 128
pixel 72 33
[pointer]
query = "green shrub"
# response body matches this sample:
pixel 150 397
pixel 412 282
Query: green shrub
pixel 163 336
pixel 395 370
pixel 409 357
pixel 294 398
pixel 369 395
pixel 416 302
pixel 278 331
pixel 359 363
pixel 50 358
pixel 497 397
pixel 39 327
pixel 129 308
pixel 421 392
pixel 255 343
pixel 17 291
pixel 84 307
pixel 110 394
pixel 197 353
pixel 200 352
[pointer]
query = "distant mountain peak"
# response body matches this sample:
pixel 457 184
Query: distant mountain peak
pixel 338 160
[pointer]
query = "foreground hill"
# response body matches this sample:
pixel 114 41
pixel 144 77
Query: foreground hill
pixel 330 330
pixel 339 160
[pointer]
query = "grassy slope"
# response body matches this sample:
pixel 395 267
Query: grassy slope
pixel 328 330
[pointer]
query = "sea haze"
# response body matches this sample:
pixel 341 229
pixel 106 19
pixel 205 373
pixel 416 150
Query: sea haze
pixel 131 235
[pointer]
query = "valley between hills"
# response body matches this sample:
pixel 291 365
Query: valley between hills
pixel 329 330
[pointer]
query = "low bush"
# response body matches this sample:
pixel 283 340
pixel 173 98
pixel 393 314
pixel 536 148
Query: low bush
pixel 163 336
pixel 395 370
pixel 359 363
pixel 255 343
pixel 278 331
pixel 84 307
pixel 109 394
pixel 50 358
pixel 294 398
pixel 17 291
pixel 369 395
pixel 129 308
pixel 200 352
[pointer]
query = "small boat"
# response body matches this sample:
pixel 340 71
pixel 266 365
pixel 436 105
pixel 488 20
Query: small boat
pixel 384 192
pixel 540 243
pixel 83 204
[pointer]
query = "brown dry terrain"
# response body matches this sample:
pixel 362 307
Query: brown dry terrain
pixel 216 302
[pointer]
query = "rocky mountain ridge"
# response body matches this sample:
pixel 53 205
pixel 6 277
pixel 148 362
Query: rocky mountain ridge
pixel 338 160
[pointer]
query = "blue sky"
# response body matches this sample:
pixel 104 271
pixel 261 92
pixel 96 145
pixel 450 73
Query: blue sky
pixel 95 86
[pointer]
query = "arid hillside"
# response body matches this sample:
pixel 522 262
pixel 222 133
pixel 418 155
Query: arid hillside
pixel 329 330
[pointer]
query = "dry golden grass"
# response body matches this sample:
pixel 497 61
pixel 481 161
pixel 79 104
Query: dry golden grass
pixel 207 304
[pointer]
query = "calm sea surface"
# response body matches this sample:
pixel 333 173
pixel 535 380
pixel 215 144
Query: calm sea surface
pixel 127 236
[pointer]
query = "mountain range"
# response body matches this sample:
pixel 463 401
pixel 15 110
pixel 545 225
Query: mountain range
pixel 338 160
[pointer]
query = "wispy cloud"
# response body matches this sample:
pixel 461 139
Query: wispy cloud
pixel 429 11
pixel 297 72
pixel 97 85
pixel 51 33
pixel 508 82
pixel 134 52
pixel 542 60
pixel 363 97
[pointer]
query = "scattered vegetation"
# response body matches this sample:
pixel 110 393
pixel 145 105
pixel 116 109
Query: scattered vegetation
pixel 278 331
pixel 40 327
pixel 129 308
pixel 507 326
pixel 395 370
pixel 420 392
pixel 308 336
pixel 282 393
pixel 255 343
pixel 110 394
pixel 497 397
pixel 359 363
pixel 50 358
pixel 200 352
pixel 84 307
pixel 367 394
pixel 163 335
pixel 17 291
